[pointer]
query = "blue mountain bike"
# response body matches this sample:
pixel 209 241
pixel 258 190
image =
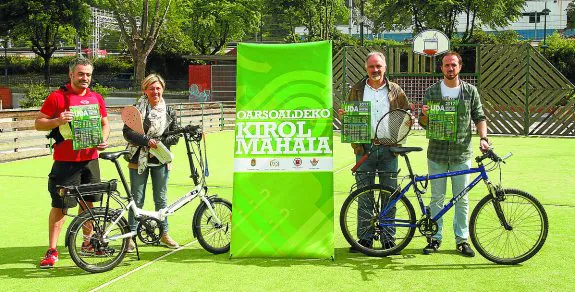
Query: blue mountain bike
pixel 507 226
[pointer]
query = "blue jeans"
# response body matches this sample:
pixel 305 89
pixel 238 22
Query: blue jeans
pixel 138 182
pixel 381 159
pixel 438 189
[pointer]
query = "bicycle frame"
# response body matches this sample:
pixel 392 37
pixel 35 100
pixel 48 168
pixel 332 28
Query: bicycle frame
pixel 482 176
pixel 507 226
pixel 199 190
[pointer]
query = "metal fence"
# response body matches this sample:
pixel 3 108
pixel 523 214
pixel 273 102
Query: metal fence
pixel 19 140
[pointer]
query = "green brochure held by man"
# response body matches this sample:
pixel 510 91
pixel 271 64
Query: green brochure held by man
pixel 356 122
pixel 86 126
pixel 442 120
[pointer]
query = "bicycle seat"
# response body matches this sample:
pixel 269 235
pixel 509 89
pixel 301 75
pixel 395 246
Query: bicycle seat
pixel 112 155
pixel 403 150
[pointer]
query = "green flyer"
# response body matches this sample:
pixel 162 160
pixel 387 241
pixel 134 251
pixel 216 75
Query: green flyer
pixel 442 120
pixel 283 153
pixel 356 122
pixel 86 126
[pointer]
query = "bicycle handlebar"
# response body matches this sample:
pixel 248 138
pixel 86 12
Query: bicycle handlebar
pixel 194 131
pixel 493 156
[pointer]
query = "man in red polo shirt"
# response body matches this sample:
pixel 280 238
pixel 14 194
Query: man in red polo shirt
pixel 71 167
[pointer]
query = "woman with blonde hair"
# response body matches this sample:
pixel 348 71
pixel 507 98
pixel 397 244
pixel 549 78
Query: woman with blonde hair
pixel 158 119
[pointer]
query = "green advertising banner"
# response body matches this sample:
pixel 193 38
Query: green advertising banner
pixel 283 178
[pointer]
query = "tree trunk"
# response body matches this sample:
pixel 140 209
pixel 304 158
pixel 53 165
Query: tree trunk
pixel 140 67
pixel 46 69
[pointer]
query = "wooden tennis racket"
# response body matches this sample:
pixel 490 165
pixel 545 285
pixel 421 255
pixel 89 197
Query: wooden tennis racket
pixel 133 119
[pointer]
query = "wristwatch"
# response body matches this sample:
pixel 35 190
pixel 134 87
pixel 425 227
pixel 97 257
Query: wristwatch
pixel 484 139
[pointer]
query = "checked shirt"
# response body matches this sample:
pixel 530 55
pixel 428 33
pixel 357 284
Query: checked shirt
pixel 469 109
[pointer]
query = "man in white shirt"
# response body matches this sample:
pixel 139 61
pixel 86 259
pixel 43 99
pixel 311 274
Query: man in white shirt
pixel 384 96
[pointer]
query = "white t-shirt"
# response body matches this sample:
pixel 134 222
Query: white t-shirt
pixel 379 103
pixel 450 93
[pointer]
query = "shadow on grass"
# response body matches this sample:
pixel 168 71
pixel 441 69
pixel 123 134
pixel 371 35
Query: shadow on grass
pixel 367 266
pixel 343 258
pixel 28 259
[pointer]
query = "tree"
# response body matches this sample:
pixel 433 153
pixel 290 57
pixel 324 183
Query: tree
pixel 491 13
pixel 420 15
pixel 44 23
pixel 319 17
pixel 212 24
pixel 140 23
pixel 570 14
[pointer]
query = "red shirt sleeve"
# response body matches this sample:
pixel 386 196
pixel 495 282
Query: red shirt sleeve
pixel 50 105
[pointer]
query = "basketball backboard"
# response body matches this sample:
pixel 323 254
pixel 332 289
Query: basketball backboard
pixel 430 43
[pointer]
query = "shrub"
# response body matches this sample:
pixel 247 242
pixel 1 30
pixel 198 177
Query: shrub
pixel 382 43
pixel 112 65
pixel 561 53
pixel 35 95
pixel 59 65
pixel 101 89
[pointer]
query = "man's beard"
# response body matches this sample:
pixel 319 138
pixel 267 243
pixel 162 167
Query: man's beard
pixel 376 77
pixel 450 78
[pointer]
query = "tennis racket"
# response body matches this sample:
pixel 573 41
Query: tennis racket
pixel 133 119
pixel 391 129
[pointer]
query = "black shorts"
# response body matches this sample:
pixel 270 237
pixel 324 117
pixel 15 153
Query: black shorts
pixel 67 173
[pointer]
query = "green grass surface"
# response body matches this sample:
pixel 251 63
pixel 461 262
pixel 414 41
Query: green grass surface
pixel 542 166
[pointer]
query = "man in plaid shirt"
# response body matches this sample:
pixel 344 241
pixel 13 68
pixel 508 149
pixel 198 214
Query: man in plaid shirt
pixel 450 148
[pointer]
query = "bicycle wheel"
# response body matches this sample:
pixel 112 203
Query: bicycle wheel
pixel 86 245
pixel 371 231
pixel 526 234
pixel 213 236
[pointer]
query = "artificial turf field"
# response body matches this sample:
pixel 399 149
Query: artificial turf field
pixel 543 167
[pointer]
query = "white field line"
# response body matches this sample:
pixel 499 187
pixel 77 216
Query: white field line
pixel 344 168
pixel 174 251
pixel 141 267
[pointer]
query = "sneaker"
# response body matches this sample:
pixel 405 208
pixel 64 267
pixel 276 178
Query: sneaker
pixel 465 249
pixel 364 242
pixel 131 247
pixel 432 246
pixel 88 250
pixel 50 258
pixel 168 241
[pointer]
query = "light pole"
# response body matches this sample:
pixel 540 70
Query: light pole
pixel 536 15
pixel 350 4
pixel 326 21
pixel 361 21
pixel 5 46
pixel 545 12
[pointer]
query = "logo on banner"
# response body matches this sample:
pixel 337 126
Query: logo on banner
pixel 314 162
pixel 253 162
pixel 274 163
pixel 292 136
pixel 297 162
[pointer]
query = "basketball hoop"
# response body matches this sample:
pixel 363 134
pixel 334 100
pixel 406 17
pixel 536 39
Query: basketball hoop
pixel 430 43
pixel 430 46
